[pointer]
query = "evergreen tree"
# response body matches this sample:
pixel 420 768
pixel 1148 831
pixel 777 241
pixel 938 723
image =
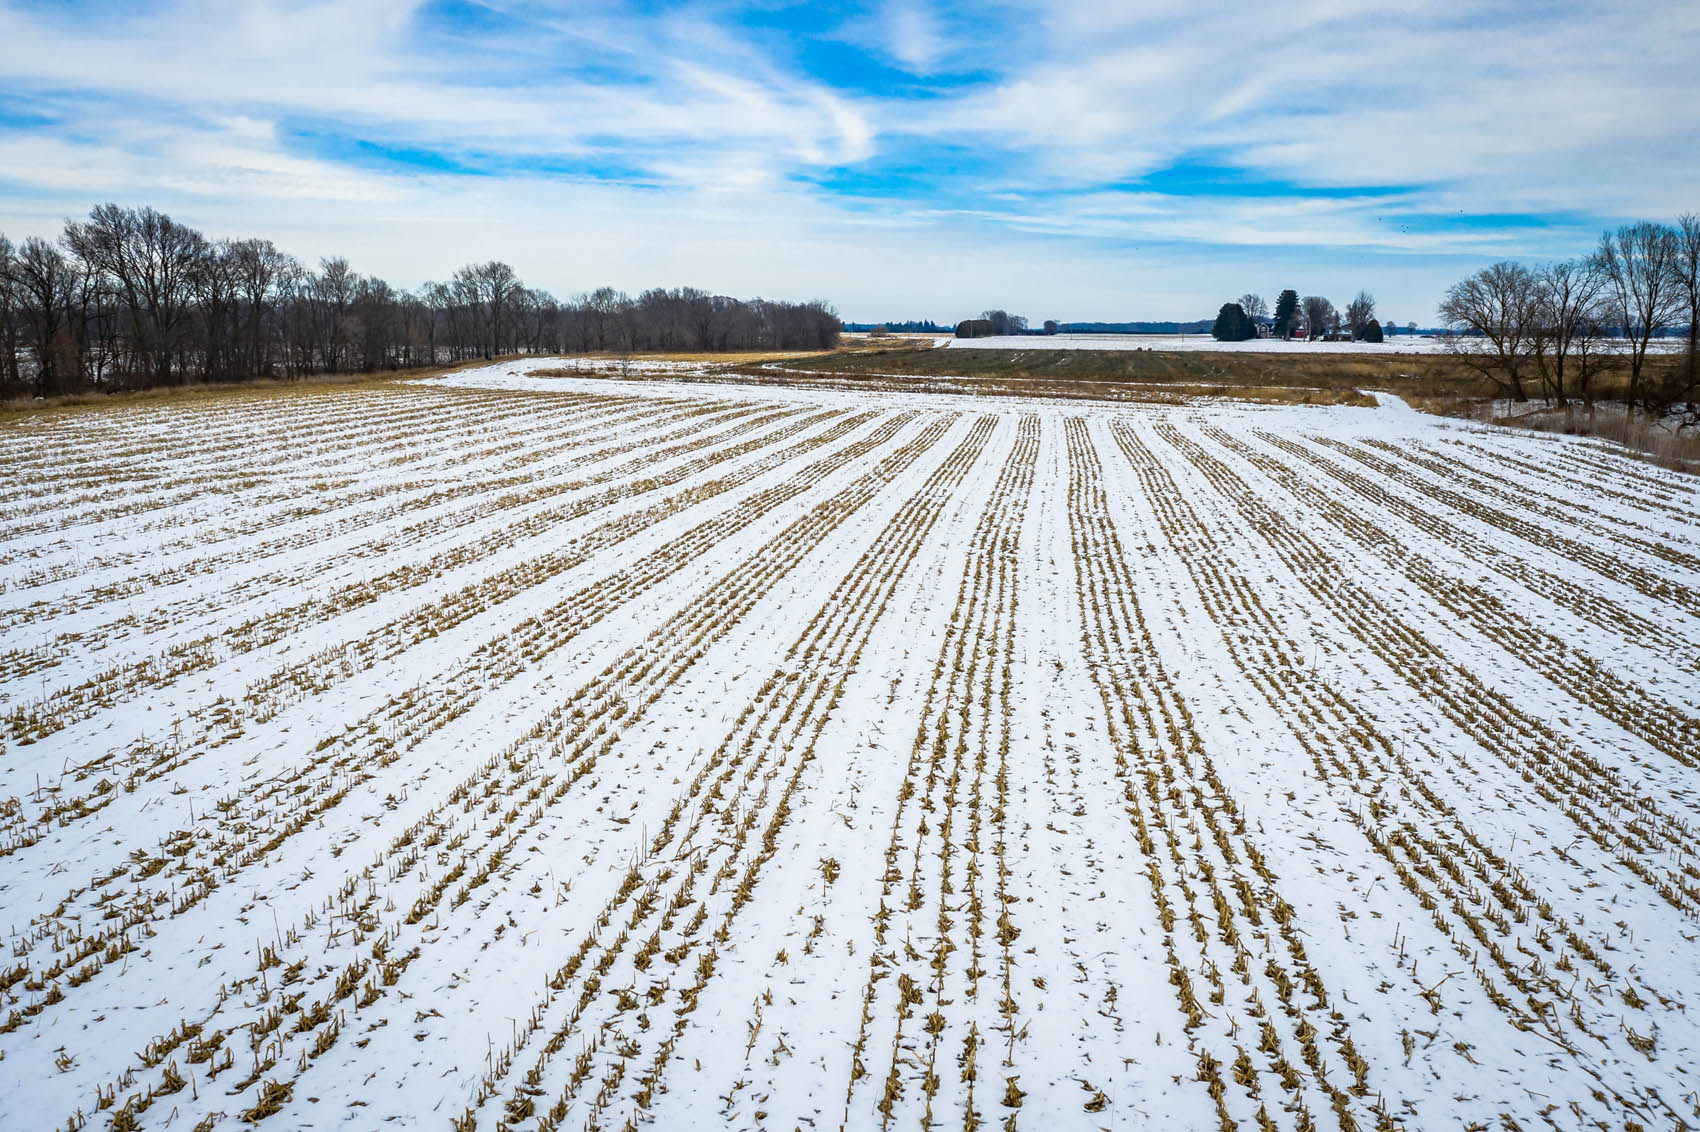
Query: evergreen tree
pixel 1372 331
pixel 1285 308
pixel 1232 325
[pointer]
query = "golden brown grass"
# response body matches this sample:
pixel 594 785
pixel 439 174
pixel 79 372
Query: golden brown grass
pixel 185 394
pixel 1433 375
pixel 1644 435
pixel 747 357
pixel 1098 377
pixel 1431 380
pixel 202 392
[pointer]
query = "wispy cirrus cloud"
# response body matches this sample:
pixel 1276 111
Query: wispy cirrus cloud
pixel 1087 157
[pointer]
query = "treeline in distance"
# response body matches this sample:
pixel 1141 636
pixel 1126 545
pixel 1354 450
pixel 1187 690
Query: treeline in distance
pixel 130 298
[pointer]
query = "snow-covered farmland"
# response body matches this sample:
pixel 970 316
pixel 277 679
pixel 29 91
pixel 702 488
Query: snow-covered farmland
pixel 1396 344
pixel 1168 343
pixel 514 751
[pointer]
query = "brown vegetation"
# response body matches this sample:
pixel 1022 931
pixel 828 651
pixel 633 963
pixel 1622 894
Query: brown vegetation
pixel 1643 434
pixel 29 406
pixel 1435 383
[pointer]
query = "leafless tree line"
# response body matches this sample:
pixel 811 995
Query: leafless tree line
pixel 1552 330
pixel 1005 323
pixel 1321 319
pixel 1314 316
pixel 131 298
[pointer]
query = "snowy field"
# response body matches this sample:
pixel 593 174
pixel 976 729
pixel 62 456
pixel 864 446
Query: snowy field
pixel 1398 344
pixel 526 752
pixel 1395 344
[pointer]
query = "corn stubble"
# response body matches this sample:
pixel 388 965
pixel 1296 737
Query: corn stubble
pixel 630 755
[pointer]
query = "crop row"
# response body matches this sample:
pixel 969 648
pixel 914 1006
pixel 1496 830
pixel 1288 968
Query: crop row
pixel 250 827
pixel 1642 834
pixel 1661 724
pixel 923 998
pixel 1228 934
pixel 32 721
pixel 353 501
pixel 412 433
pixel 406 893
pixel 1655 583
pixel 1524 955
pixel 225 719
pixel 1614 501
pixel 477 501
pixel 1583 601
pixel 628 991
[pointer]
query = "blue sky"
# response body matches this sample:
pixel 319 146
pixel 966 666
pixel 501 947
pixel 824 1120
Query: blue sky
pixel 899 158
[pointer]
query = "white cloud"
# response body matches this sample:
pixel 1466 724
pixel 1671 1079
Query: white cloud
pixel 1582 113
pixel 1550 108
pixel 912 35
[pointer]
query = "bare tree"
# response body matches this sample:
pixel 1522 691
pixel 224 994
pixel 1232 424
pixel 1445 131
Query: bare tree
pixel 44 282
pixel 148 259
pixel 262 273
pixel 605 306
pixel 699 317
pixel 1255 308
pixel 331 293
pixel 8 319
pixel 1359 312
pixel 493 289
pixel 1637 261
pixel 1685 271
pixel 218 298
pixel 439 300
pixel 375 311
pixel 1319 315
pixel 134 292
pixel 1591 352
pixel 1496 308
pixel 1568 317
pixel 413 330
